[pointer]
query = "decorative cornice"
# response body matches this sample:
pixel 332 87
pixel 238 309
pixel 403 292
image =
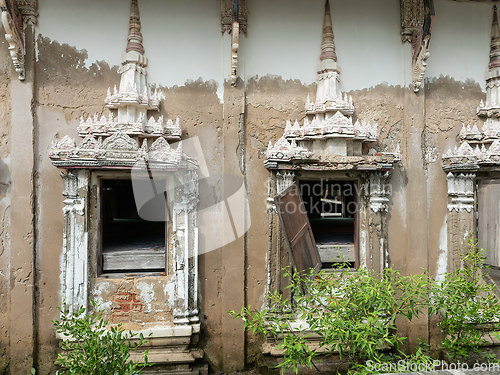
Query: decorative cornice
pixel 336 126
pixel 118 150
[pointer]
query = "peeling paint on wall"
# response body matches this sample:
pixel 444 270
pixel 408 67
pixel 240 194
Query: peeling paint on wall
pixel 442 263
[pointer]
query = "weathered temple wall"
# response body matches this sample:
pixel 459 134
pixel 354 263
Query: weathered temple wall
pixel 78 48
pixel 6 69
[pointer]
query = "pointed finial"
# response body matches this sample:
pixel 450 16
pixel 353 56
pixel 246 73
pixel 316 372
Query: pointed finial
pixel 495 41
pixel 327 44
pixel 134 32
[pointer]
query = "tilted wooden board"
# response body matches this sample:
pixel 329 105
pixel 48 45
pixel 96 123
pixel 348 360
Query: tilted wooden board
pixel 297 230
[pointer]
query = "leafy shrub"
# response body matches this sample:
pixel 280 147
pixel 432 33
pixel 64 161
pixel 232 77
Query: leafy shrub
pixel 354 314
pixel 91 348
pixel 468 307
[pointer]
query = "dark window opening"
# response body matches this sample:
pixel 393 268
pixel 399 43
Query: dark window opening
pixel 128 242
pixel 332 208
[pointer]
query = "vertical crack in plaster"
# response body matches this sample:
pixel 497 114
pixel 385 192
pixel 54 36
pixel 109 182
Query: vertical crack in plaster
pixel 240 149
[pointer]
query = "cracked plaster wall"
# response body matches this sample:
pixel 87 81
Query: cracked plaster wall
pixel 5 205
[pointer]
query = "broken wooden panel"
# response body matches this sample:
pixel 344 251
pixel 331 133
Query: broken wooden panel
pixel 297 230
pixel 133 260
pixel 337 253
pixel 489 219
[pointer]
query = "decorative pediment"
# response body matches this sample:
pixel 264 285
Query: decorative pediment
pixel 120 141
pixel 328 137
pixel 112 140
pixel 286 151
pixel 161 151
pixel 89 143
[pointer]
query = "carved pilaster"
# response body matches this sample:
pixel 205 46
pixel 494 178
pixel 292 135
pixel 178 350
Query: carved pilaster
pixel 186 250
pixel 460 218
pixel 75 240
pixel 460 191
pixel 377 196
pixel 284 180
pixel 379 191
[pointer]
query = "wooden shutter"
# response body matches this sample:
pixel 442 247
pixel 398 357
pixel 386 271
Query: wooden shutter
pixel 297 230
pixel 489 219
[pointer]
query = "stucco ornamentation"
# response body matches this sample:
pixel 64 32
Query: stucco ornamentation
pixel 419 64
pixel 328 135
pixel 28 10
pixel 379 191
pixel 491 107
pixel 480 148
pixel 74 277
pixel 286 151
pixel 70 180
pixel 14 34
pixel 461 191
pixel 126 140
pixel 412 18
pixel 227 15
pixel 417 20
pixel 284 180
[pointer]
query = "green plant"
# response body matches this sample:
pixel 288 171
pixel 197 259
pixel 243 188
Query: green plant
pixel 354 314
pixel 91 348
pixel 468 307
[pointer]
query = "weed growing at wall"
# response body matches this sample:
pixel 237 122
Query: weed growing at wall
pixel 353 314
pixel 91 348
pixel 468 308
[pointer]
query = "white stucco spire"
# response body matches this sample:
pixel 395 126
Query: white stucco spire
pixel 328 69
pixel 134 63
pixel 491 106
pixel 495 42
pixel 134 38
pixel 327 44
